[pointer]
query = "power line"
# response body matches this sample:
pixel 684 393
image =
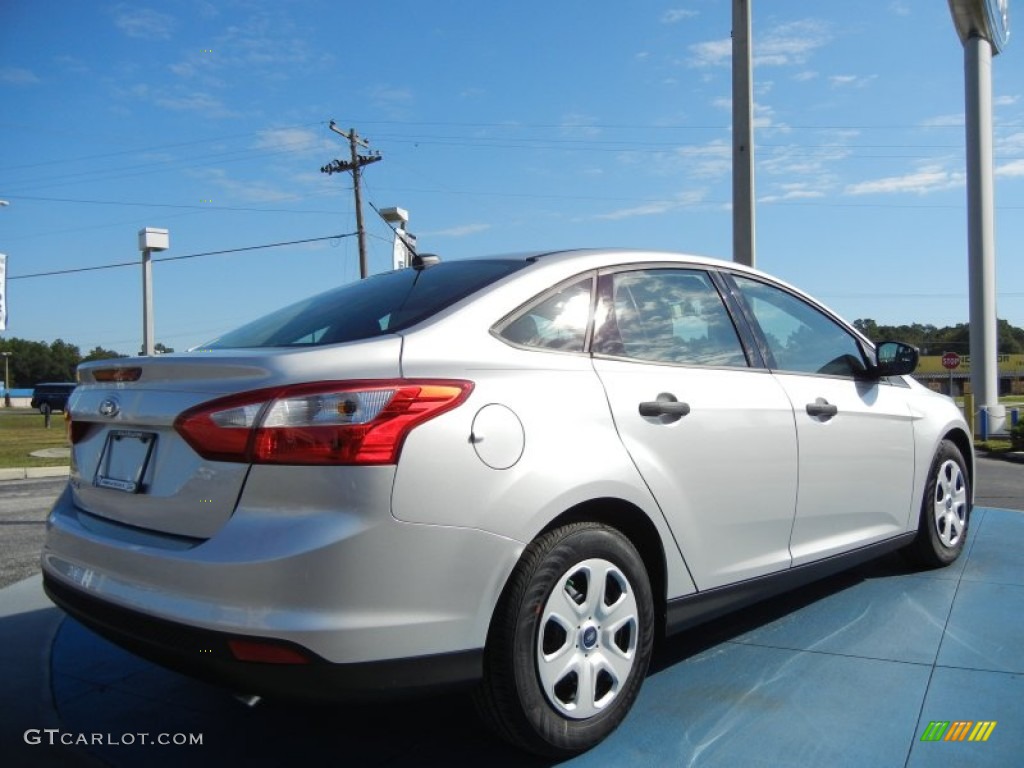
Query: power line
pixel 205 207
pixel 135 263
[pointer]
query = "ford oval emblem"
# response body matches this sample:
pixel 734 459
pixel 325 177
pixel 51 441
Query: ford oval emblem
pixel 109 407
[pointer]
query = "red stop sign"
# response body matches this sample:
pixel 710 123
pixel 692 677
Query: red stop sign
pixel 951 360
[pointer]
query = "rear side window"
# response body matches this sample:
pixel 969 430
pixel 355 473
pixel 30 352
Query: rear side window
pixel 372 307
pixel 557 320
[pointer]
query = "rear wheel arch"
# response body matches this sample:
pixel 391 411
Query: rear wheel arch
pixel 566 651
pixel 633 523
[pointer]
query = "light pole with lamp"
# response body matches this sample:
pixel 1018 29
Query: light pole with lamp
pixel 3 319
pixel 150 239
pixel 983 27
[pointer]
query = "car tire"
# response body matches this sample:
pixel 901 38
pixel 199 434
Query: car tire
pixel 569 643
pixel 945 510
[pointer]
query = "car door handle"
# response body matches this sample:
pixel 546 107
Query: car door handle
pixel 822 407
pixel 665 407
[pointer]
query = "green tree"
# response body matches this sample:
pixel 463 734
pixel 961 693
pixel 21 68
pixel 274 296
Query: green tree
pixel 99 353
pixel 935 341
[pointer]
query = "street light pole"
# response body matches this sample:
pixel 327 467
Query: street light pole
pixel 7 379
pixel 150 239
pixel 983 27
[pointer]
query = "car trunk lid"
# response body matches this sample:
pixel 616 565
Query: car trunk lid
pixel 129 463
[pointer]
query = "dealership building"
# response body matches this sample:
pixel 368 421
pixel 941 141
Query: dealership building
pixel 932 371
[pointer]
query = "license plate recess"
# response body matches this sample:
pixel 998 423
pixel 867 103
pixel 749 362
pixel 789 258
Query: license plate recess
pixel 124 460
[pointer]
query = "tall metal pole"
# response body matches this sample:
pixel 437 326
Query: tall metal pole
pixel 147 303
pixel 984 28
pixel 150 239
pixel 743 226
pixel 7 379
pixel 981 250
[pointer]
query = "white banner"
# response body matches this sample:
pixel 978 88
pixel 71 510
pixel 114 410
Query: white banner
pixel 3 291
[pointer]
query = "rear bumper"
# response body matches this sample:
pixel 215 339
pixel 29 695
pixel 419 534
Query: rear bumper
pixel 313 562
pixel 206 655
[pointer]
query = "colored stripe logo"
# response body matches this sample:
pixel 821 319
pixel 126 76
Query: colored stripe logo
pixel 958 730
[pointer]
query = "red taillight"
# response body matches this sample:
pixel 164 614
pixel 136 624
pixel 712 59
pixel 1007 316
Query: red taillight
pixel 350 422
pixel 265 653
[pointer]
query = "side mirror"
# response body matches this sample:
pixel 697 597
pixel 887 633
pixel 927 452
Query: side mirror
pixel 895 359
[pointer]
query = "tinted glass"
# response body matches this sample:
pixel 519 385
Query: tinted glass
pixel 372 307
pixel 555 321
pixel 799 336
pixel 668 316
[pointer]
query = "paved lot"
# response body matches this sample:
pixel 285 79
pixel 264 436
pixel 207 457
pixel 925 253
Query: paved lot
pixel 849 671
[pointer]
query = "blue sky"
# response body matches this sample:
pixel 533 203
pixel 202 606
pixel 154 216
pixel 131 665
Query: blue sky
pixel 503 127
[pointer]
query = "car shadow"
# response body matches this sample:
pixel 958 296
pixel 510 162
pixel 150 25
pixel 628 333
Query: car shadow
pixel 673 650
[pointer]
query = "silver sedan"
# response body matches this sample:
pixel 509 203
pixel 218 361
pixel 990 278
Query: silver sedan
pixel 512 473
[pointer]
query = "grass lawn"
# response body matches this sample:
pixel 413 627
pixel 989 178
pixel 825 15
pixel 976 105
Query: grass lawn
pixel 22 431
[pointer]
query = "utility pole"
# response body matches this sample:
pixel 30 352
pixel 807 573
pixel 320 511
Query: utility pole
pixel 743 224
pixel 354 165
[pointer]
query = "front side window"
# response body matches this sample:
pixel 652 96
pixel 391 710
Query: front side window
pixel 666 316
pixel 557 321
pixel 799 336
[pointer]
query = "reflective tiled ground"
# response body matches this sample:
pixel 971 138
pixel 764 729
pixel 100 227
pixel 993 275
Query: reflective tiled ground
pixel 847 672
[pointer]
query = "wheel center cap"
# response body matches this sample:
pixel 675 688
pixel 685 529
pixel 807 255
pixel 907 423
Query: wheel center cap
pixel 949 502
pixel 589 638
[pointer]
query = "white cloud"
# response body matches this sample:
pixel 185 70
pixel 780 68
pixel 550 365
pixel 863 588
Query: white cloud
pixel 579 126
pixel 144 23
pixel 944 121
pixel 460 231
pixel 1005 101
pixel 764 119
pixel 655 207
pixel 712 53
pixel 248 190
pixel 795 161
pixel 394 101
pixel 793 191
pixel 293 140
pixel 1012 169
pixel 675 15
pixel 707 160
pixel 929 179
pixel 204 103
pixel 789 44
pixel 851 81
pixel 17 76
pixel 1010 144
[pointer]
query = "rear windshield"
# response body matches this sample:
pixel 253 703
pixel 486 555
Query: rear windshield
pixel 375 306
